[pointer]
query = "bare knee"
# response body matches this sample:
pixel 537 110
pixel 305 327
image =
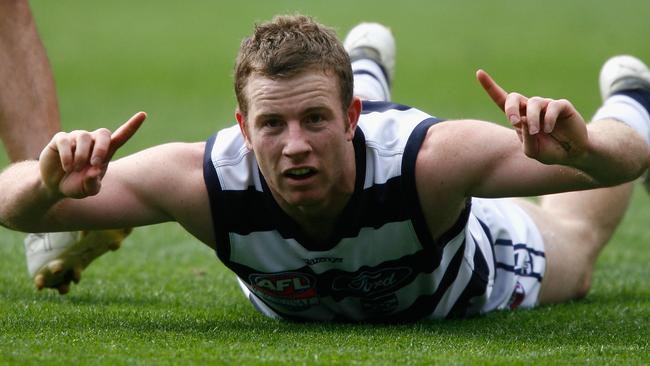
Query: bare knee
pixel 569 263
pixel 568 286
pixel 572 245
pixel 577 264
pixel 583 285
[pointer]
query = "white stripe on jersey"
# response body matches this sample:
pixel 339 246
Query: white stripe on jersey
pixel 460 282
pixel 424 284
pixel 369 80
pixel 256 251
pixel 230 160
pixel 267 251
pixel 385 141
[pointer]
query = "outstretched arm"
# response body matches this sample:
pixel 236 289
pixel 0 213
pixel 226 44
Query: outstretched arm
pixel 72 165
pixel 553 132
pixel 73 187
pixel 552 150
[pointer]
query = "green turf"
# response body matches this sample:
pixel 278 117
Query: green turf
pixel 164 298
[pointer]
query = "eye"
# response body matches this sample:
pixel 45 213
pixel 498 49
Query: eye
pixel 315 118
pixel 272 122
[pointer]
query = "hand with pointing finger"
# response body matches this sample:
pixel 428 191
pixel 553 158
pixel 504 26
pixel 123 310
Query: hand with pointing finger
pixel 73 164
pixel 552 131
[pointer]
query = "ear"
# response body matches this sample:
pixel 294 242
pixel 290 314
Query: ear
pixel 354 111
pixel 241 121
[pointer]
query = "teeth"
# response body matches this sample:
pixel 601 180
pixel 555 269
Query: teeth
pixel 301 171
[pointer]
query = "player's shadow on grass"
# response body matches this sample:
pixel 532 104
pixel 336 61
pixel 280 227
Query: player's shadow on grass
pixel 605 314
pixel 573 324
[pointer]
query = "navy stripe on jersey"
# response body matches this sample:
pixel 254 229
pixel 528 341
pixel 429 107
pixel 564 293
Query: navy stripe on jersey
pixel 373 207
pixel 368 106
pixel 222 245
pixel 474 289
pixel 426 304
pixel 333 283
pixel 381 67
pixel 253 210
pixel 488 234
pixel 530 250
pixel 509 268
pixel 487 231
pixel 506 242
pixel 410 190
pixel 512 268
pixel 408 176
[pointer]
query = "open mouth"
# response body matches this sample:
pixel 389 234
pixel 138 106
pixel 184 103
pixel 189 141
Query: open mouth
pixel 300 173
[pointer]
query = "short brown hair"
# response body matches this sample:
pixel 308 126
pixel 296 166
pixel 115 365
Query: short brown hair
pixel 288 45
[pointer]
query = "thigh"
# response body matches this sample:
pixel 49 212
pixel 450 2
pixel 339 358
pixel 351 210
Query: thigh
pixel 568 262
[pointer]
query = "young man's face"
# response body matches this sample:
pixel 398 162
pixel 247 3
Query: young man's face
pixel 301 137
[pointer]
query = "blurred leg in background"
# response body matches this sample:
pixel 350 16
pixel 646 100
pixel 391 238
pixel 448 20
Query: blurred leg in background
pixel 29 117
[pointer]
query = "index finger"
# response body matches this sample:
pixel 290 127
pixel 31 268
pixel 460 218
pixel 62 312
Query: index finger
pixel 496 92
pixel 125 132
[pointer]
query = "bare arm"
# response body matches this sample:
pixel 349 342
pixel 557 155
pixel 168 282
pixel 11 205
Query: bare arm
pixel 73 187
pixel 71 165
pixel 552 151
pixel 554 133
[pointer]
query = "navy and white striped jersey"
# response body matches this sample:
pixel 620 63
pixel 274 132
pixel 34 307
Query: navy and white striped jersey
pixel 383 265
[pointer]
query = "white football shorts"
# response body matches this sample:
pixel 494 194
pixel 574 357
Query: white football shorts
pixel 519 257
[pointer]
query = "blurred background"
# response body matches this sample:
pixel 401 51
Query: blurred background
pixel 174 59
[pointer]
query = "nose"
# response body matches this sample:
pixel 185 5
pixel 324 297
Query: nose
pixel 297 143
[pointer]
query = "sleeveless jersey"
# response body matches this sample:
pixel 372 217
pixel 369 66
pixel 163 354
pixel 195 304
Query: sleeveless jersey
pixel 382 265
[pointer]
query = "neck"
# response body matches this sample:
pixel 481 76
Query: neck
pixel 319 221
pixel 319 232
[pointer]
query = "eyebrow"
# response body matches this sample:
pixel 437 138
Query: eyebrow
pixel 316 109
pixel 268 115
pixel 272 115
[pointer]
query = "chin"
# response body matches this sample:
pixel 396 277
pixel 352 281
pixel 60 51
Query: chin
pixel 304 199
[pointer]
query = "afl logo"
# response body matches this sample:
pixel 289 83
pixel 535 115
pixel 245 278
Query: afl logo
pixel 287 285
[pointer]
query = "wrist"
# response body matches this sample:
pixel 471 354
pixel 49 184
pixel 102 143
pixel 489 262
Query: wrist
pixel 48 193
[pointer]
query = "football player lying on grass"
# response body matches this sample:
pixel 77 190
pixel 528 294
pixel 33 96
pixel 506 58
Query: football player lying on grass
pixel 327 207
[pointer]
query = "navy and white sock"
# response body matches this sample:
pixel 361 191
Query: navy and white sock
pixel 631 107
pixel 370 81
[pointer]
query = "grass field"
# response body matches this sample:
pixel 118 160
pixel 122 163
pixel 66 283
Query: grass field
pixel 165 299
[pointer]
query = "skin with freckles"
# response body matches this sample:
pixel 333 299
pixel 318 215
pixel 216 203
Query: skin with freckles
pixel 301 136
pixel 73 164
pixel 535 120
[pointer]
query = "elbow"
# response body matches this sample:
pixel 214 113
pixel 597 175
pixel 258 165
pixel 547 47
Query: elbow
pixel 634 171
pixel 621 173
pixel 16 219
pixel 10 220
pixel 8 217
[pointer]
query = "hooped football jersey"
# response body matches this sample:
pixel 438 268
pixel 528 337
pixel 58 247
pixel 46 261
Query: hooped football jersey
pixel 381 264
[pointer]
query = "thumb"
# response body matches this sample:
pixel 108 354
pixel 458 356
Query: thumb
pixel 92 185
